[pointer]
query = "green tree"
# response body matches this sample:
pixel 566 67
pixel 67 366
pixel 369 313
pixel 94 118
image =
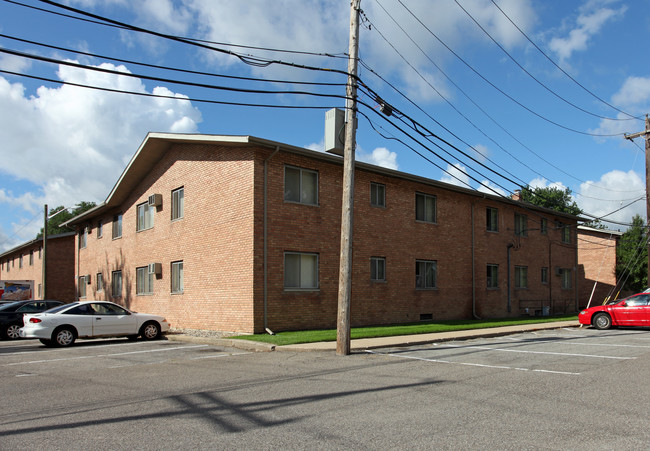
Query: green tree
pixel 551 197
pixel 632 256
pixel 53 224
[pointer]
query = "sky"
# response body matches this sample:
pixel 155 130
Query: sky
pixel 487 94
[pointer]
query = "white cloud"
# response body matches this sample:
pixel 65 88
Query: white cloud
pixel 540 182
pixel 72 143
pixel 614 190
pixel 489 188
pixel 634 98
pixel 593 15
pixel 380 157
pixel 456 175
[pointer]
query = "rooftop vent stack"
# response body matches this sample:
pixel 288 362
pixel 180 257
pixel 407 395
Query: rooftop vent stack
pixel 335 131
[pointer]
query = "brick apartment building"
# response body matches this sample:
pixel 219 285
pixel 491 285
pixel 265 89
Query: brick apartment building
pixel 597 264
pixel 25 262
pixel 237 233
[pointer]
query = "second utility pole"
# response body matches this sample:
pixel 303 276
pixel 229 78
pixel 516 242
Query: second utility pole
pixel 347 209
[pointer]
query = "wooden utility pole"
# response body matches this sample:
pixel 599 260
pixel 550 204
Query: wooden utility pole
pixel 646 135
pixel 345 263
pixel 44 255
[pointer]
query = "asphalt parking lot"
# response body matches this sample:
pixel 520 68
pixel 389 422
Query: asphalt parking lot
pixel 555 389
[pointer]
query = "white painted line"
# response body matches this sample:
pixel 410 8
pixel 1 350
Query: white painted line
pixel 104 355
pixel 216 356
pixel 521 351
pixel 498 367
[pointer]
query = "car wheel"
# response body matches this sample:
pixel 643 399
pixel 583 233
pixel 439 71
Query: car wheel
pixel 45 341
pixel 602 321
pixel 63 336
pixel 150 331
pixel 12 331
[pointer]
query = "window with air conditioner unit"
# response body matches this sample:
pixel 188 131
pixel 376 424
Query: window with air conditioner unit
pixel 155 200
pixel 154 268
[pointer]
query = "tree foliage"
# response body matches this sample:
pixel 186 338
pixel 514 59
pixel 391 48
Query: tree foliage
pixel 632 256
pixel 551 197
pixel 60 214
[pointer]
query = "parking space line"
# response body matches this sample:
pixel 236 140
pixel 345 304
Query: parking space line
pixel 481 365
pixel 216 356
pixel 103 355
pixel 485 348
pixel 584 344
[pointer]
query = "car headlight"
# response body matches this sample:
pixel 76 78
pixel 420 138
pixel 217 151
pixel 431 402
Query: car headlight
pixel 584 312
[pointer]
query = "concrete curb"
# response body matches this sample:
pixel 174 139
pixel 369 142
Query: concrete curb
pixel 373 343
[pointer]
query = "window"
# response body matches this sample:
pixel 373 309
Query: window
pixel 300 271
pixel 177 277
pixel 566 278
pixel 83 237
pixel 143 281
pixel 100 282
pixel 39 252
pixel 20 261
pixel 521 225
pixel 145 216
pixel 545 275
pixel 116 284
pixel 100 229
pixel 492 276
pixel 425 207
pixel 117 226
pixel 81 280
pixel 178 203
pixel 300 185
pixel 566 233
pixel 31 258
pixel 426 274
pixel 492 219
pixel 378 269
pixel 40 290
pixel 543 226
pixel 521 276
pixel 377 195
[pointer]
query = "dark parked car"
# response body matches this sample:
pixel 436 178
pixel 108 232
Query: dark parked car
pixel 11 315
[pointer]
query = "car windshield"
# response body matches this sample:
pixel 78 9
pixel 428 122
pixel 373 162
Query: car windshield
pixel 10 306
pixel 60 307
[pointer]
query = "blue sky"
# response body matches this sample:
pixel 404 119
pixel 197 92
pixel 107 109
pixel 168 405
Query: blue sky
pixel 507 114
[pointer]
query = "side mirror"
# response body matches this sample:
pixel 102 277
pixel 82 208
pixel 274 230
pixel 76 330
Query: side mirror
pixel 623 304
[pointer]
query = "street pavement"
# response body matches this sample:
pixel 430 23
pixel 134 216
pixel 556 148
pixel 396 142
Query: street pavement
pixel 361 344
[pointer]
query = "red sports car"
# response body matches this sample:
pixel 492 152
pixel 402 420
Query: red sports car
pixel 631 311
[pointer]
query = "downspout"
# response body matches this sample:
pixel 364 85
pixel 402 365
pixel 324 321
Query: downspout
pixel 473 269
pixel 510 246
pixel 266 264
pixel 575 272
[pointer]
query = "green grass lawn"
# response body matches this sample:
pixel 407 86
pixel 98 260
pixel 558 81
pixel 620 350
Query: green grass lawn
pixel 310 336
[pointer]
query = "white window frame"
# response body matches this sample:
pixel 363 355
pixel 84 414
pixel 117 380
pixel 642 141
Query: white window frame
pixel 143 281
pixel 178 203
pixel 100 229
pixel 99 282
pixel 521 224
pixel 116 228
pixel 83 238
pixel 306 265
pixel 378 269
pixel 81 287
pixel 145 214
pixel 177 277
pixel 297 190
pixel 377 195
pixel 116 284
pixel 426 274
pixel 426 208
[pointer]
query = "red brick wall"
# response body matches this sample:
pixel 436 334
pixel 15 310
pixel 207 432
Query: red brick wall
pixel 597 260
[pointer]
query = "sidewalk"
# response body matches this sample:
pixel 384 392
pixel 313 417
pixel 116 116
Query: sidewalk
pixel 380 342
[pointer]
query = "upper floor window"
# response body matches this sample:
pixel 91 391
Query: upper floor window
pixel 544 277
pixel 20 261
pixel 543 226
pixel 425 207
pixel 377 195
pixel 178 203
pixel 31 258
pixel 566 233
pixel 117 226
pixel 300 271
pixel 83 237
pixel 426 273
pixel 521 225
pixel 145 216
pixel 100 228
pixel 300 185
pixel 521 276
pixel 492 219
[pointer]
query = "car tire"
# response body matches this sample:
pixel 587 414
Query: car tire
pixel 63 336
pixel 11 332
pixel 150 331
pixel 602 321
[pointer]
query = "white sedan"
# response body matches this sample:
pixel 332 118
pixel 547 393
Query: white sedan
pixel 62 325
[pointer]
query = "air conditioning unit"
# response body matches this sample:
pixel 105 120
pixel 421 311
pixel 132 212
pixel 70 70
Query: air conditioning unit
pixel 88 279
pixel 155 200
pixel 155 268
pixel 87 230
pixel 558 271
